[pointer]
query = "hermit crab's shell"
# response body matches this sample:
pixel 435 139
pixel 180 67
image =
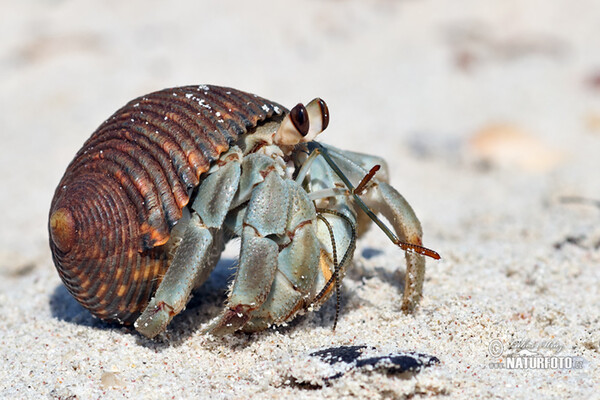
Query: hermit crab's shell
pixel 125 189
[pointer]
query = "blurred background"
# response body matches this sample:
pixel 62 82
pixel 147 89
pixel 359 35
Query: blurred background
pixel 411 80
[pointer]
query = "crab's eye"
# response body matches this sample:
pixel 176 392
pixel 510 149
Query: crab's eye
pixel 299 117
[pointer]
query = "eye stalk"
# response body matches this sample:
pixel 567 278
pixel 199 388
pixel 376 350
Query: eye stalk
pixel 303 124
pixel 319 118
pixel 293 128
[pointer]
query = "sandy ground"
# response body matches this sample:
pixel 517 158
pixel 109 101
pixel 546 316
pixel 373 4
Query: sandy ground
pixel 489 116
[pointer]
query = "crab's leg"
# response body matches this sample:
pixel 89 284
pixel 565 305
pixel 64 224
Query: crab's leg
pixel 199 250
pixel 298 264
pixel 265 218
pixel 189 263
pixel 338 233
pixel 383 198
pixel 396 209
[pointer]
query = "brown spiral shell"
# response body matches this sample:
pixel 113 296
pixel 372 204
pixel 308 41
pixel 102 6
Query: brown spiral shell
pixel 125 189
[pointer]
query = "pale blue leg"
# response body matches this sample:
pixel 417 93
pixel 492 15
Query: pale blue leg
pixel 384 199
pixel 264 219
pixel 297 264
pixel 199 250
pixel 407 227
pixel 188 266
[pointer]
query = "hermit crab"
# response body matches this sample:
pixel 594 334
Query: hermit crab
pixel 143 211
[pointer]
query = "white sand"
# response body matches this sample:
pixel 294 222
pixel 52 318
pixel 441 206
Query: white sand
pixel 486 112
